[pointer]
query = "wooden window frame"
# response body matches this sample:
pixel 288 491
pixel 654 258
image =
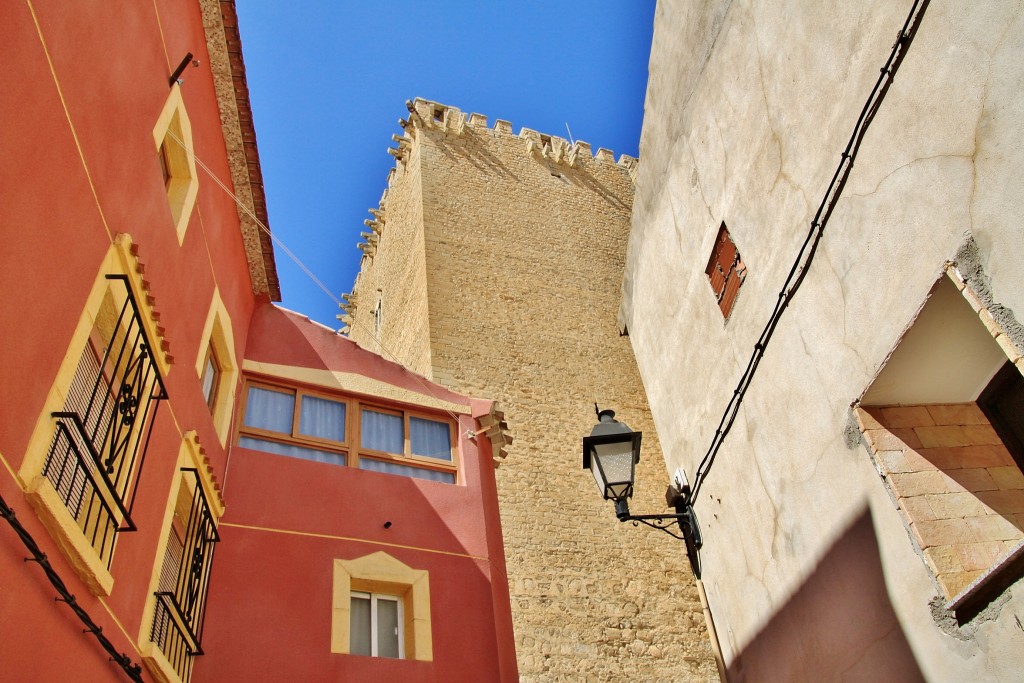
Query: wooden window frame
pixel 351 447
pixel 407 457
pixel 296 437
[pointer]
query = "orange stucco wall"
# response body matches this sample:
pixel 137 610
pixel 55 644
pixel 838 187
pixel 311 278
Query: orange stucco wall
pixel 84 84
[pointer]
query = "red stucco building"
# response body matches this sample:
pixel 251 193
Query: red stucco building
pixel 197 484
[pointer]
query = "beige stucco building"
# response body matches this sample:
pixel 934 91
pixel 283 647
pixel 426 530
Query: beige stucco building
pixel 863 518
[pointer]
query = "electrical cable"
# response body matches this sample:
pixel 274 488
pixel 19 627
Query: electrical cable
pixel 133 670
pixel 309 273
pixel 810 245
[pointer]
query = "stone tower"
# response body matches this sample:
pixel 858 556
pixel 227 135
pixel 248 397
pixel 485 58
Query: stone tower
pixel 493 265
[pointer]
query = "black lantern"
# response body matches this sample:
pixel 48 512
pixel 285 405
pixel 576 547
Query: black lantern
pixel 611 453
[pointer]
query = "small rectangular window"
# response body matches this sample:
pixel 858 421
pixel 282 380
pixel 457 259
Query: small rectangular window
pixel 383 432
pixel 322 418
pixel 430 438
pixel 270 410
pixel 210 379
pixel 376 625
pixel 725 271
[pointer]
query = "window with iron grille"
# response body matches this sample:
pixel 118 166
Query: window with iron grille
pixel 102 429
pixel 725 271
pixel 184 578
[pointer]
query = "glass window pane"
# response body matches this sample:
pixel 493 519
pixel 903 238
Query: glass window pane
pixel 209 380
pixel 387 628
pixel 271 410
pixel 359 625
pixel 405 470
pixel 430 438
pixel 291 450
pixel 382 432
pixel 322 418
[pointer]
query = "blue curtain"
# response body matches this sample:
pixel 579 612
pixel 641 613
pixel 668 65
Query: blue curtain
pixel 430 438
pixel 382 432
pixel 322 418
pixel 271 410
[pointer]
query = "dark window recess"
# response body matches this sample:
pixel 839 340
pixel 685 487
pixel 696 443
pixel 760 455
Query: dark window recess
pixel 185 581
pixel 103 430
pixel 725 271
pixel 1002 401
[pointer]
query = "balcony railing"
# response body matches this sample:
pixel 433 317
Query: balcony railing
pixel 103 431
pixel 180 613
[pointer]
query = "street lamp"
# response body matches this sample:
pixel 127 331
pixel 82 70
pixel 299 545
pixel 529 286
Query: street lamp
pixel 611 453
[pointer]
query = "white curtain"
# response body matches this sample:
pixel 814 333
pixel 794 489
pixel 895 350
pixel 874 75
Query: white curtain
pixel 382 432
pixel 270 410
pixel 322 418
pixel 430 438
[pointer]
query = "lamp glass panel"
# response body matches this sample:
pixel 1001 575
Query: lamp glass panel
pixel 595 468
pixel 616 462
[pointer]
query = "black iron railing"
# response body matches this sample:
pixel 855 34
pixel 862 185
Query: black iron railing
pixel 180 613
pixel 103 431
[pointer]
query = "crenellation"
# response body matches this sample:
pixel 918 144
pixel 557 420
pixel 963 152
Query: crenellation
pixel 477 120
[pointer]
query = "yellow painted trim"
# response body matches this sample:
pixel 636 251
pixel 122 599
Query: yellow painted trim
pixel 163 39
pixel 193 457
pixel 352 383
pixel 118 261
pixel 218 332
pixel 311 534
pixel 157 663
pixel 64 530
pixel 120 626
pixel 67 115
pixel 124 263
pixel 382 573
pixel 189 455
pixel 173 122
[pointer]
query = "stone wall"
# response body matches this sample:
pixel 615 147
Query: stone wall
pixel 524 248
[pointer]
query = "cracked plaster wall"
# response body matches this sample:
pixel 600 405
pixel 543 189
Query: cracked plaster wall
pixel 748 107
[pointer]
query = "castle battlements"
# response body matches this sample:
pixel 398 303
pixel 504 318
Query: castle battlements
pixel 559 154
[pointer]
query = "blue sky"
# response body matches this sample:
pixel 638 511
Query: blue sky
pixel 328 82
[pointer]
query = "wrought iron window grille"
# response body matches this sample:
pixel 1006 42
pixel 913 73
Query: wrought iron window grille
pixel 180 613
pixel 102 434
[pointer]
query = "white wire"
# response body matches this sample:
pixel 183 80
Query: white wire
pixel 303 268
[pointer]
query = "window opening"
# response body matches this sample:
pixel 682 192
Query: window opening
pixel 185 577
pixel 376 627
pixel 1002 401
pixel 725 271
pixel 103 428
pixel 210 379
pixel 942 420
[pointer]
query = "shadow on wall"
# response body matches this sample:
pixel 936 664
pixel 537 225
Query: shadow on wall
pixel 839 625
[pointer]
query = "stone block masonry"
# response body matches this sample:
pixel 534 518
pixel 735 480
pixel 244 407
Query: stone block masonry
pixel 497 272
